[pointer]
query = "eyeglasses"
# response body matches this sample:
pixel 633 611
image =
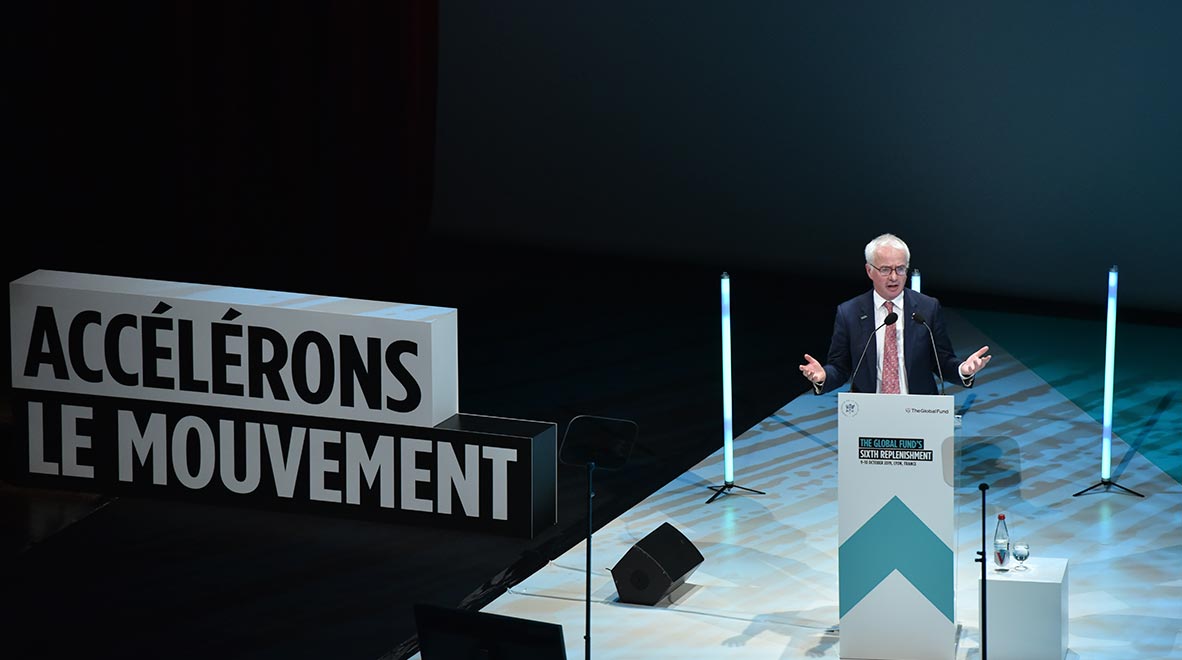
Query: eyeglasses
pixel 886 270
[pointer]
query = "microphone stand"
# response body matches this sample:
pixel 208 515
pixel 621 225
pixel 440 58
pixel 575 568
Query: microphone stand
pixel 602 443
pixel 590 529
pixel 890 320
pixel 982 557
pixel 918 318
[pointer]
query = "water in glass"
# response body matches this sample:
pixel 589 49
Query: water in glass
pixel 1021 553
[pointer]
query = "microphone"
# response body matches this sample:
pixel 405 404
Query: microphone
pixel 889 320
pixel 918 318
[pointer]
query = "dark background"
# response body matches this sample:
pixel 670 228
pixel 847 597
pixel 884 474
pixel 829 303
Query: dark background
pixel 1020 148
pixel 573 178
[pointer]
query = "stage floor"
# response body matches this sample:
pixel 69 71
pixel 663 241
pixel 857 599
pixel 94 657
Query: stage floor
pixel 768 585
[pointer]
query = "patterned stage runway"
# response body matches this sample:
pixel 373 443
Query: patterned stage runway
pixel 768 585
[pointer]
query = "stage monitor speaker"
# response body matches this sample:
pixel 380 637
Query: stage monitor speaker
pixel 655 566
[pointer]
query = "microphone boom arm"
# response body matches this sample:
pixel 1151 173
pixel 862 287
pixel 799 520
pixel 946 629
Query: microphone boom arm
pixel 889 320
pixel 918 318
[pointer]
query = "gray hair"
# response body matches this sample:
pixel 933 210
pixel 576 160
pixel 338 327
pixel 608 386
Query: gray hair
pixel 887 240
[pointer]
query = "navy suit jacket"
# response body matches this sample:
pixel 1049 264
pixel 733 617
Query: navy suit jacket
pixel 854 326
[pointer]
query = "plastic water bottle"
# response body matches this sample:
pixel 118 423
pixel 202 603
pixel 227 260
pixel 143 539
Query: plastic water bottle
pixel 1001 542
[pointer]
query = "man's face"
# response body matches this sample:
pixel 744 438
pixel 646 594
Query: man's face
pixel 891 285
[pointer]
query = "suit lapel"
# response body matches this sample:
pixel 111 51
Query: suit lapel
pixel 917 346
pixel 911 335
pixel 867 324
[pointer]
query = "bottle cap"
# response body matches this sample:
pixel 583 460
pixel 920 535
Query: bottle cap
pixel 1001 516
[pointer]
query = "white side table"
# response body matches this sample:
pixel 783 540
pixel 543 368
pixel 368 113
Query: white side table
pixel 1027 611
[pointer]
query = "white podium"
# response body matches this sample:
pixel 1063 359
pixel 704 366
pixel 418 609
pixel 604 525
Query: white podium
pixel 1027 611
pixel 896 575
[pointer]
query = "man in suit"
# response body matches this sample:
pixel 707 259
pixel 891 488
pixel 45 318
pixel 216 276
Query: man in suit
pixel 899 359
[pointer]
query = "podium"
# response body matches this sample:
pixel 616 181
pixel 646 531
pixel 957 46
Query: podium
pixel 896 530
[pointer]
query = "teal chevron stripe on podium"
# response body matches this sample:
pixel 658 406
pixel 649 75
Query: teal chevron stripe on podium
pixel 895 539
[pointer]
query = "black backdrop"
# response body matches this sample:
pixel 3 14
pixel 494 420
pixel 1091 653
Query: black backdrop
pixel 1020 148
pixel 281 145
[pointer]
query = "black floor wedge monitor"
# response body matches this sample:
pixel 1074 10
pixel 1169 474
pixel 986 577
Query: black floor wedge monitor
pixel 454 634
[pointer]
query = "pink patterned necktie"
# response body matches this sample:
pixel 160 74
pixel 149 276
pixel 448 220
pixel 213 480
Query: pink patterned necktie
pixel 890 356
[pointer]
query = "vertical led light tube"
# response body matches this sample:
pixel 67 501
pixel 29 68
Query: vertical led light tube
pixel 915 281
pixel 728 467
pixel 1109 369
pixel 1106 481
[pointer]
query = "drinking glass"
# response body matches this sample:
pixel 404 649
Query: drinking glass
pixel 1022 553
